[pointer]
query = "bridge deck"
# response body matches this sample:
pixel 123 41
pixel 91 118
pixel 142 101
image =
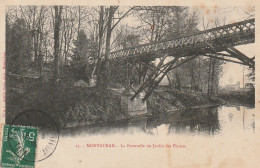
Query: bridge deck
pixel 208 41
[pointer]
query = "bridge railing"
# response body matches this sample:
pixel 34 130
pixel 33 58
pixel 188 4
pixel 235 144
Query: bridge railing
pixel 222 32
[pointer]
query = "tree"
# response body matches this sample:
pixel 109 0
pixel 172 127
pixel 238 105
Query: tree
pixel 119 72
pixel 58 10
pixel 81 46
pixel 168 23
pixel 18 46
pixel 68 33
pixel 35 18
pixel 251 74
pixel 106 27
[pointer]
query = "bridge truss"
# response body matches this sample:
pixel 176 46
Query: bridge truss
pixel 218 43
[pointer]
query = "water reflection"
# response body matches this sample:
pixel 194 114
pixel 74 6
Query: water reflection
pixel 189 121
pixel 205 121
pixel 211 121
pixel 236 119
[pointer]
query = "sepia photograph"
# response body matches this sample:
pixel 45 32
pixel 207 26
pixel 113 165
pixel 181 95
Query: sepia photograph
pixel 76 72
pixel 107 67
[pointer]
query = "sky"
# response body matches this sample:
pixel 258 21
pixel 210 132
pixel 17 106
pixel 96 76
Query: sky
pixel 232 73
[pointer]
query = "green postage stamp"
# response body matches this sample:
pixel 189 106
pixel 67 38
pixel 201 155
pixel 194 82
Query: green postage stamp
pixel 18 147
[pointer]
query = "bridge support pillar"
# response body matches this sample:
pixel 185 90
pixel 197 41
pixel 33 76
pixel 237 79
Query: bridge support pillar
pixel 135 107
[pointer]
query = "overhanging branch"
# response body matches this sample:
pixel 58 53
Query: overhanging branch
pixel 122 18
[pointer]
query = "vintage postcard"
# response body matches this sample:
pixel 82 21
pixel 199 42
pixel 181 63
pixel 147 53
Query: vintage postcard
pixel 125 84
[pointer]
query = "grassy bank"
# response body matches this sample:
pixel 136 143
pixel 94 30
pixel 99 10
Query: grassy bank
pixel 245 97
pixel 170 100
pixel 71 106
pixel 66 104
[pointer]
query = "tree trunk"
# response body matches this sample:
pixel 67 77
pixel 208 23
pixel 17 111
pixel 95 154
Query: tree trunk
pixel 56 42
pixel 77 51
pixel 178 81
pixel 212 76
pixel 192 77
pixel 101 26
pixel 105 69
pixel 199 77
pixel 209 77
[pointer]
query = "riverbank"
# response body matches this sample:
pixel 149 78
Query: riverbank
pixel 79 106
pixel 163 101
pixel 245 97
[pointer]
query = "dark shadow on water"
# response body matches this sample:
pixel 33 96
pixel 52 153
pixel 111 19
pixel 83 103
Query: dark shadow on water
pixel 200 120
pixel 204 121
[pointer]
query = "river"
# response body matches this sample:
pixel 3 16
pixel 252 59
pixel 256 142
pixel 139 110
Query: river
pixel 221 120
pixel 208 134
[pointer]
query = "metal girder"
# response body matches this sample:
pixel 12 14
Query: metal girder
pixel 152 76
pixel 240 56
pixel 157 82
pixel 228 60
pixel 209 43
pixel 152 82
pixel 197 43
pixel 243 56
pixel 184 61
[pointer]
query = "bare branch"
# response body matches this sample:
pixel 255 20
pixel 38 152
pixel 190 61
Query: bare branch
pixel 122 17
